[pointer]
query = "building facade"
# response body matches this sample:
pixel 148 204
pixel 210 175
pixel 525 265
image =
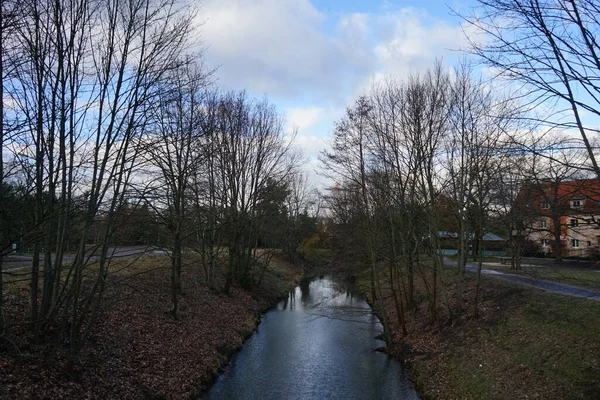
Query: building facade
pixel 561 216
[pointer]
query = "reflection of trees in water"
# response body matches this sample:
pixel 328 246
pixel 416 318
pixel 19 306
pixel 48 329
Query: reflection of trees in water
pixel 284 302
pixel 335 285
pixel 325 290
pixel 331 298
pixel 339 303
pixel 289 302
pixel 359 315
pixel 305 289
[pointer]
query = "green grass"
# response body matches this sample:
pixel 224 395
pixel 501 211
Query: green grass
pixel 526 344
pixel 576 277
pixel 544 346
pixel 559 338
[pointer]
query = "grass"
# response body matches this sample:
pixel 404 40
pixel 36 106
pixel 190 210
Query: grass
pixel 545 270
pixel 282 275
pixel 528 344
pixel 548 348
pixel 587 278
pixel 319 255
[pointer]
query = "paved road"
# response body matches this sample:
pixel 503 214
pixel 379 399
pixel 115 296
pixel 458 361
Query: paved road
pixel 548 286
pixel 17 262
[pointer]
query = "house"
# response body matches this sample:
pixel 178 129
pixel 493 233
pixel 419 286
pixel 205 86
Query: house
pixel 565 210
pixel 492 244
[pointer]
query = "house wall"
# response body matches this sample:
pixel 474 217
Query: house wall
pixel 586 233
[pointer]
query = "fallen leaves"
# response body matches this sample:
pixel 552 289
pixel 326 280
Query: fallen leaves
pixel 138 351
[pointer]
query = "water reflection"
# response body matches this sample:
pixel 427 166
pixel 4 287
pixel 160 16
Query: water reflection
pixel 305 290
pixel 317 344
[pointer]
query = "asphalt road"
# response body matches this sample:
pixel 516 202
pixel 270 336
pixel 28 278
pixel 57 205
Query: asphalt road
pixel 16 262
pixel 541 284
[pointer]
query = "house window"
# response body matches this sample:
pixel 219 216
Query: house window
pixel 575 203
pixel 544 205
pixel 574 222
pixel 575 243
pixel 545 243
pixel 543 224
pixel 589 243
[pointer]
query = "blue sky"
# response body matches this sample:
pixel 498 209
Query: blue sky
pixel 313 57
pixel 435 8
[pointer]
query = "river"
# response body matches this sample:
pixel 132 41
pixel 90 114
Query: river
pixel 319 343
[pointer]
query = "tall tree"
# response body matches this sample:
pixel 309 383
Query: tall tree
pixel 172 151
pixel 551 46
pixel 82 77
pixel 425 117
pixel 251 152
pixel 349 163
pixel 479 127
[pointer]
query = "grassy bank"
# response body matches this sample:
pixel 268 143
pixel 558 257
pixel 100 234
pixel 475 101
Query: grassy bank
pixel 525 344
pixel 583 277
pixel 137 350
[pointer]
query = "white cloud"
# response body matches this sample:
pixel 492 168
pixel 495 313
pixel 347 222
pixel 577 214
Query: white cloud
pixel 273 46
pixel 316 179
pixel 312 144
pixel 408 41
pixel 303 118
pixel 285 48
pixel 315 64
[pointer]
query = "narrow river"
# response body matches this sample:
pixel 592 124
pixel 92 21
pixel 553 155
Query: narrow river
pixel 319 343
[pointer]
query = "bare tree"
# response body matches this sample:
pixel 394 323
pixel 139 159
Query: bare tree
pixel 479 127
pixel 298 201
pixel 208 192
pixel 250 153
pixel 391 187
pixel 551 47
pixel 425 118
pixel 7 21
pixel 173 152
pixel 505 209
pixel 80 97
pixel 349 163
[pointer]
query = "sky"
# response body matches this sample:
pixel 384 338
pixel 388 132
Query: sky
pixel 312 58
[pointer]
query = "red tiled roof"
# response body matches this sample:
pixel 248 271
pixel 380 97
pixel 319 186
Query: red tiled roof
pixel 560 194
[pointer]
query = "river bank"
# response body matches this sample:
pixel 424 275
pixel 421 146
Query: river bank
pixel 525 344
pixel 137 351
